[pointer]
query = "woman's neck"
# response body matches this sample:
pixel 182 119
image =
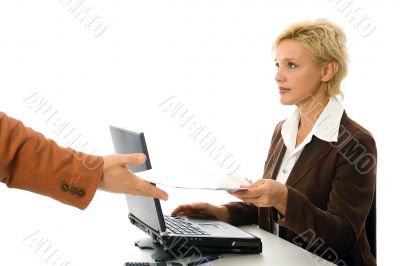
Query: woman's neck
pixel 310 109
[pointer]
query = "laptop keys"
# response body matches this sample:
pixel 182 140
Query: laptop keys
pixel 178 225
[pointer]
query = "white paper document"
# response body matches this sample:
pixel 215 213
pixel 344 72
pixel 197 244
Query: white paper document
pixel 196 181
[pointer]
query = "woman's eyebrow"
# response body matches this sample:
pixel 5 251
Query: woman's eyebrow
pixel 286 59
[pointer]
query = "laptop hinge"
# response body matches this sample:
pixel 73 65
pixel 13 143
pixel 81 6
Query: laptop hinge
pixel 164 233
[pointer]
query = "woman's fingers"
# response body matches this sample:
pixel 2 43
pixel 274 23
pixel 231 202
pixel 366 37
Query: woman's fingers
pixel 181 209
pixel 255 184
pixel 194 210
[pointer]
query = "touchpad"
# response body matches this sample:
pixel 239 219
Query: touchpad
pixel 211 226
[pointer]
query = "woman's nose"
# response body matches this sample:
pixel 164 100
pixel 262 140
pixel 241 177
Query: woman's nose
pixel 279 76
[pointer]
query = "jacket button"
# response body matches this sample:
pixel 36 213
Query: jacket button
pixel 73 190
pixel 64 187
pixel 81 193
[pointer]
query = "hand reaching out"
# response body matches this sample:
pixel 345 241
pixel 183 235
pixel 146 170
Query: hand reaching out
pixel 118 178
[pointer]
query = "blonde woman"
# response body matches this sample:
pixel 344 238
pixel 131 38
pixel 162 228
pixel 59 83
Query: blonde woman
pixel 319 177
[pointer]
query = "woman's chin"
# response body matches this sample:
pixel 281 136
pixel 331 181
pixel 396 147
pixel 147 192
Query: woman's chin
pixel 286 101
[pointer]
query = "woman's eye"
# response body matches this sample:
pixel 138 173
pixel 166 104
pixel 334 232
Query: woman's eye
pixel 291 66
pixel 277 65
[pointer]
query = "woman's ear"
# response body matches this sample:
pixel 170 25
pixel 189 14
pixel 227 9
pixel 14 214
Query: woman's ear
pixel 328 71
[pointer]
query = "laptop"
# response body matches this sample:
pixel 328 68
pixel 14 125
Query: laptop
pixel 183 233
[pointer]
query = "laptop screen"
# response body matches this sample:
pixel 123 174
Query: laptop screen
pixel 126 141
pixel 147 210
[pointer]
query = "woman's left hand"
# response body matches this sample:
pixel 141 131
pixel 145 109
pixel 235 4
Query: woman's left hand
pixel 264 193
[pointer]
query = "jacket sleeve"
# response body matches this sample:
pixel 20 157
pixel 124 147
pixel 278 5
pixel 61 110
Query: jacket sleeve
pixel 242 213
pixel 32 162
pixel 352 190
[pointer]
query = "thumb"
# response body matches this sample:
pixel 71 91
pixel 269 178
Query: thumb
pixel 133 158
pixel 256 184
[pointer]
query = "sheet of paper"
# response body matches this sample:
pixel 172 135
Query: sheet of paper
pixel 196 181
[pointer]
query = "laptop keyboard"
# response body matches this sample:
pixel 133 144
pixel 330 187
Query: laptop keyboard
pixel 178 225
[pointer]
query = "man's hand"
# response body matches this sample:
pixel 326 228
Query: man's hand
pixel 118 178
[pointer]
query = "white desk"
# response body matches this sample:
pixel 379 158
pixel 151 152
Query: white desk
pixel 103 235
pixel 276 251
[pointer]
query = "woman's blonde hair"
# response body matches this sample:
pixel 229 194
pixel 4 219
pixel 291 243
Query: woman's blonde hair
pixel 326 42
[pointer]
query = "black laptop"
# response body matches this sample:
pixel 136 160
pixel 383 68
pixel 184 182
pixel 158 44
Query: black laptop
pixel 205 235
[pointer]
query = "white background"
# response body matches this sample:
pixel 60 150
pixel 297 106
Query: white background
pixel 215 57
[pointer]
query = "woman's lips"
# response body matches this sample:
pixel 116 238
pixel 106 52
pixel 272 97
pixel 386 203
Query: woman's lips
pixel 283 90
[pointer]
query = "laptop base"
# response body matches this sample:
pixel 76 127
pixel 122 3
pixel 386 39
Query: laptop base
pixel 159 254
pixel 162 255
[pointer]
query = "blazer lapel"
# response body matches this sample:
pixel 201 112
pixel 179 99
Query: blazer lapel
pixel 273 164
pixel 271 169
pixel 311 154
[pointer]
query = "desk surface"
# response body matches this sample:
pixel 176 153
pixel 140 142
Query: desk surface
pixel 99 237
pixel 276 251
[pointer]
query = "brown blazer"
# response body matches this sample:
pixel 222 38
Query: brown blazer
pixel 31 162
pixel 330 192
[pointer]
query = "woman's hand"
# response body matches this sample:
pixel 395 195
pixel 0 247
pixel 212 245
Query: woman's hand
pixel 265 193
pixel 203 210
pixel 118 178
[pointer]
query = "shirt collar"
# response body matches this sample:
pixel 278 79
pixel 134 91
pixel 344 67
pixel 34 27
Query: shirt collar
pixel 325 128
pixel 328 123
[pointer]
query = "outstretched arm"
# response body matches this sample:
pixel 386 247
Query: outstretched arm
pixel 32 162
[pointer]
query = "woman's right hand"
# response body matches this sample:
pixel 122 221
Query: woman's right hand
pixel 202 210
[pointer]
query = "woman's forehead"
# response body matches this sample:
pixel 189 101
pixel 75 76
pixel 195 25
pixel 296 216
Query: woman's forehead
pixel 290 49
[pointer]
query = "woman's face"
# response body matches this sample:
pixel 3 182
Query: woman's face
pixel 298 75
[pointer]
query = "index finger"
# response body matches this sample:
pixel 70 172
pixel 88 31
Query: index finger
pixel 150 190
pixel 157 193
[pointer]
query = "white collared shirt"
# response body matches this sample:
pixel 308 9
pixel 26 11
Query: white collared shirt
pixel 325 128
